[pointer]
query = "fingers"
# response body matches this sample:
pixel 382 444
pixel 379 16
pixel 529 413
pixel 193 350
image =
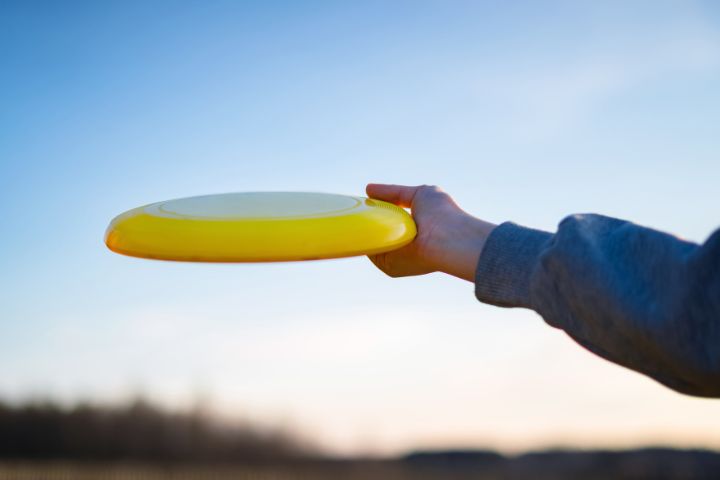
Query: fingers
pixel 400 263
pixel 398 194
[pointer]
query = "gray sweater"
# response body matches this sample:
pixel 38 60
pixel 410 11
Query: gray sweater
pixel 635 296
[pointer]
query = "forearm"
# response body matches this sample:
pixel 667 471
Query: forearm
pixel 635 296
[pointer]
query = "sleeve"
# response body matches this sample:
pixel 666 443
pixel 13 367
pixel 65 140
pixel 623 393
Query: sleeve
pixel 635 296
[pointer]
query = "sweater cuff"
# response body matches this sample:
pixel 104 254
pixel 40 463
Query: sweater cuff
pixel 510 255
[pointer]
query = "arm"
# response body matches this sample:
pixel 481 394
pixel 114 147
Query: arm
pixel 635 296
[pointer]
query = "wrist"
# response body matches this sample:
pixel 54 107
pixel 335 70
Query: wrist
pixel 460 246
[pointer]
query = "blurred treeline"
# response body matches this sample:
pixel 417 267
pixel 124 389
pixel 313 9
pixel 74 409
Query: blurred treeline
pixel 137 431
pixel 44 440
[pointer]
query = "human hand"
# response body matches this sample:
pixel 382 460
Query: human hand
pixel 448 240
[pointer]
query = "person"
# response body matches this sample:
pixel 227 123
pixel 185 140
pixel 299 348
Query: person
pixel 635 296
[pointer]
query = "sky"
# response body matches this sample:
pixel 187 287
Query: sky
pixel 524 111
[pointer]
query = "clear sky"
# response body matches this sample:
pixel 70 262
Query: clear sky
pixel 524 111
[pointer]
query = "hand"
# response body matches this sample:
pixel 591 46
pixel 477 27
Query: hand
pixel 449 240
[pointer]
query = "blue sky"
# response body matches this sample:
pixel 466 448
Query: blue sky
pixel 526 111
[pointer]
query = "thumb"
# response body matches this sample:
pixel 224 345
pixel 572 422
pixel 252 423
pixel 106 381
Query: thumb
pixel 398 194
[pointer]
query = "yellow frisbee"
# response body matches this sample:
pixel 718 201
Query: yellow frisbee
pixel 260 227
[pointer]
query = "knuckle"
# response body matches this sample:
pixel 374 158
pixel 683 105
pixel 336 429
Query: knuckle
pixel 432 191
pixel 382 263
pixel 388 267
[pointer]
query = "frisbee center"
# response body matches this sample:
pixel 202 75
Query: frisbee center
pixel 255 205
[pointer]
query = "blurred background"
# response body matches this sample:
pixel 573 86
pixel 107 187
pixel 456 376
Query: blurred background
pixel 525 111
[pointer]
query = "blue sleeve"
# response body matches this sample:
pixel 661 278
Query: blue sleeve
pixel 635 296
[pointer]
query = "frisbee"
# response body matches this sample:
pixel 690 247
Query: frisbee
pixel 260 227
